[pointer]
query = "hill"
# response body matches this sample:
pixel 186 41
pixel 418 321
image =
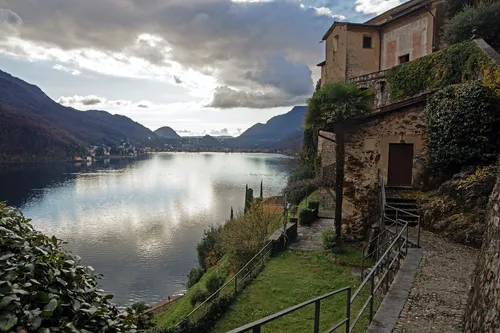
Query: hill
pixel 87 127
pixel 277 129
pixel 25 137
pixel 167 133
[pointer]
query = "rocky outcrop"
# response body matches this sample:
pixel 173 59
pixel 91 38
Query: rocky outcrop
pixel 458 208
pixel 483 310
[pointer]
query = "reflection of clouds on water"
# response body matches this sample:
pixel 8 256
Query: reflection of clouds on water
pixel 139 224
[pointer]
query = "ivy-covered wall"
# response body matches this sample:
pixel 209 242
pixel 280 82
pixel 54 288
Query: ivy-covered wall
pixel 456 64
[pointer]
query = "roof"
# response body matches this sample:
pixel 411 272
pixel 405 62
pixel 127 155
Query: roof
pixel 391 15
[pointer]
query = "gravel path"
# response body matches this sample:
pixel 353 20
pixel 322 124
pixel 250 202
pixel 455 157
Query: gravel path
pixel 439 292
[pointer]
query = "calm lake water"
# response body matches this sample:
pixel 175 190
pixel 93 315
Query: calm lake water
pixel 138 221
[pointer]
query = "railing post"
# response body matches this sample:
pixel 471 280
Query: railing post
pixel 317 307
pixel 363 262
pixel 348 311
pixel 418 236
pixel 235 284
pixel 407 239
pixel 256 329
pixel 396 221
pixel 372 286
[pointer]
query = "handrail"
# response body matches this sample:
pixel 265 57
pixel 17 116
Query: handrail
pixel 402 210
pixel 255 326
pixel 267 247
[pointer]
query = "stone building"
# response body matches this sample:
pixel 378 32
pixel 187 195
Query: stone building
pixel 391 138
pixel 402 34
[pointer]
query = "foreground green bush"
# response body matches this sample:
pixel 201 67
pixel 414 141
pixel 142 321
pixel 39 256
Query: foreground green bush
pixel 45 289
pixel 194 276
pixel 307 216
pixel 463 126
pixel 329 239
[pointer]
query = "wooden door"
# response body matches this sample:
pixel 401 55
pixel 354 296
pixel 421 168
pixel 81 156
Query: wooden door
pixel 400 164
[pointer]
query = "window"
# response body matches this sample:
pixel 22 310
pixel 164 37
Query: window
pixel 404 58
pixel 335 43
pixel 367 42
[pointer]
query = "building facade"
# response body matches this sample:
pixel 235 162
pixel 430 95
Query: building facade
pixel 402 34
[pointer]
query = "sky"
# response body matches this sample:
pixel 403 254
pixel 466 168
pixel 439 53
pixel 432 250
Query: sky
pixel 199 66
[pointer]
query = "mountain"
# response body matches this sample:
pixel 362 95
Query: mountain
pixel 276 129
pixel 167 133
pixel 25 137
pixel 85 127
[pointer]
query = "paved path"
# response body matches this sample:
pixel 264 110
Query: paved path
pixel 439 292
pixel 309 237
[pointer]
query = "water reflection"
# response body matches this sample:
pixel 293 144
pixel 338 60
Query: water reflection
pixel 138 222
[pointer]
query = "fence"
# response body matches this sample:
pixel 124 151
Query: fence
pixel 251 269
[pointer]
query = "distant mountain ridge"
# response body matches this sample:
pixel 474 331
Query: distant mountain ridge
pixel 85 127
pixel 167 133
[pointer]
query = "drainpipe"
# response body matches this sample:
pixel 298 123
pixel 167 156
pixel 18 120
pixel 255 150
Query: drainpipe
pixel 433 28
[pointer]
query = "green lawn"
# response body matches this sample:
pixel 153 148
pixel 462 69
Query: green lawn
pixel 183 306
pixel 292 278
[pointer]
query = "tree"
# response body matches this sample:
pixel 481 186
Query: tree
pixel 261 190
pixel 329 109
pixel 231 216
pixel 482 21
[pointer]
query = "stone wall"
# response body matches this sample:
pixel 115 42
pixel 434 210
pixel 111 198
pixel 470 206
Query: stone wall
pixel 378 84
pixel 483 310
pixel 367 150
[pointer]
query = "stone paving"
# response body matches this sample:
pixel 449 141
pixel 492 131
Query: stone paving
pixel 309 237
pixel 439 292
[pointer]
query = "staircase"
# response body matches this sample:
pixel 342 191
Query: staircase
pixel 407 209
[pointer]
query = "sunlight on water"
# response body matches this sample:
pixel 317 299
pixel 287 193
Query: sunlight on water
pixel 138 222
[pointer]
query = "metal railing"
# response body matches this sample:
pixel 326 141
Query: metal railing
pixel 235 284
pixel 255 327
pixel 377 278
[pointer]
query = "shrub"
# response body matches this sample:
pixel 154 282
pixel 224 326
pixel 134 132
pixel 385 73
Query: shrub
pixel 136 314
pixel 199 296
pixel 214 282
pixel 314 205
pixel 463 122
pixel 482 21
pixel 194 276
pixel 246 234
pixel 209 248
pixel 307 216
pixel 328 236
pixel 302 173
pixel 296 192
pixel 43 288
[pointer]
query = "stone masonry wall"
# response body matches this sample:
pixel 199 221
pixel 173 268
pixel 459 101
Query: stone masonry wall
pixel 367 150
pixel 483 310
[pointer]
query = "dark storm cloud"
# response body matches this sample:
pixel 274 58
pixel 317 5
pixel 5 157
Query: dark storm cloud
pixel 177 79
pixel 255 50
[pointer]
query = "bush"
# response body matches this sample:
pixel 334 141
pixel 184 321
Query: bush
pixel 194 276
pixel 482 21
pixel 136 314
pixel 43 288
pixel 463 122
pixel 302 173
pixel 296 192
pixel 328 236
pixel 314 205
pixel 209 248
pixel 199 296
pixel 214 282
pixel 307 216
pixel 246 234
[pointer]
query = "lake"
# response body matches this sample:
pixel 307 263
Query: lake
pixel 138 221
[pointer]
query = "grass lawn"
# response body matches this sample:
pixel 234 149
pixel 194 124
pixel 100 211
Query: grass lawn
pixel 292 278
pixel 183 306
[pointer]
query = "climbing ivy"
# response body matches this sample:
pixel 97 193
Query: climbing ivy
pixel 456 64
pixel 463 122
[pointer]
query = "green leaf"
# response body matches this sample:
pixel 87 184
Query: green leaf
pixel 7 322
pixel 43 296
pixel 6 301
pixel 72 327
pixel 52 305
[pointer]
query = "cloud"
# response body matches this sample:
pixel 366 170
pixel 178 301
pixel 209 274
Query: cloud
pixel 376 6
pixel 238 44
pixel 142 106
pixel 328 12
pixel 220 132
pixel 177 79
pixel 67 69
pixel 10 22
pixel 91 100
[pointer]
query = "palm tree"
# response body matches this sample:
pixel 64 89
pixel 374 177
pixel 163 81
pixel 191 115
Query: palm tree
pixel 329 109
